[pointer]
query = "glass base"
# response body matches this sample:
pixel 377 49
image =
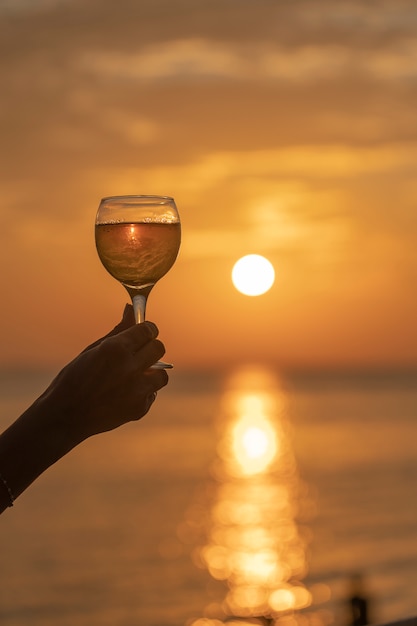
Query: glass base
pixel 161 365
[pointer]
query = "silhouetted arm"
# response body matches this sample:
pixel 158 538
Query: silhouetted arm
pixel 107 385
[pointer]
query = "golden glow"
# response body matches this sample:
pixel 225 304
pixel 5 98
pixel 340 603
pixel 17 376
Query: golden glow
pixel 254 440
pixel 132 236
pixel 252 540
pixel 253 275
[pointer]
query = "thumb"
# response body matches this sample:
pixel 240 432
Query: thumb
pixel 128 320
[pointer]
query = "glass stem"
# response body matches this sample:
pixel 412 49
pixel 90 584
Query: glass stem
pixel 139 307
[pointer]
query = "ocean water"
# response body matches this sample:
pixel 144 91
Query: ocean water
pixel 246 494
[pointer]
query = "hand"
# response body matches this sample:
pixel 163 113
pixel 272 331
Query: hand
pixel 110 382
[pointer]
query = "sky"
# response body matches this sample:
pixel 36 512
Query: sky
pixel 286 129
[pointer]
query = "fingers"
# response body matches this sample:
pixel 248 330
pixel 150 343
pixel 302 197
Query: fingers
pixel 132 339
pixel 141 334
pixel 128 320
pixel 111 383
pixel 136 347
pixel 150 399
pixel 153 381
pixel 150 354
pixel 156 379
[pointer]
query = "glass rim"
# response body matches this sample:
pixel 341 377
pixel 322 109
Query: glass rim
pixel 165 199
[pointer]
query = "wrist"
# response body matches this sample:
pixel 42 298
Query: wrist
pixel 53 416
pixel 34 442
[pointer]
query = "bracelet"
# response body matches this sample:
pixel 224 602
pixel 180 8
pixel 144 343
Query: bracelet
pixel 9 491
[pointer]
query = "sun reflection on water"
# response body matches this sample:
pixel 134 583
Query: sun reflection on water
pixel 253 537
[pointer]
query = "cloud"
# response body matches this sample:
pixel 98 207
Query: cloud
pixel 178 58
pixel 129 127
pixel 307 162
pixel 314 241
pixel 193 82
pixel 308 201
pixel 359 16
pixel 203 59
pixel 29 6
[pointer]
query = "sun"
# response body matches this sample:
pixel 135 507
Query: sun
pixel 253 275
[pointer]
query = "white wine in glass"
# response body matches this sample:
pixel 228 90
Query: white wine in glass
pixel 137 240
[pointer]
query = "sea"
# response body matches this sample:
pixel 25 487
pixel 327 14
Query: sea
pixel 250 496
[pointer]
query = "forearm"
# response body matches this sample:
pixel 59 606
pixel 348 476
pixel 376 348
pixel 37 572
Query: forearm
pixel 34 442
pixel 107 385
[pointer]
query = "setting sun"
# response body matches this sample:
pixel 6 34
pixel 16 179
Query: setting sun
pixel 253 275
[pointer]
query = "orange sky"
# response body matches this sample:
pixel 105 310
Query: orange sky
pixel 283 129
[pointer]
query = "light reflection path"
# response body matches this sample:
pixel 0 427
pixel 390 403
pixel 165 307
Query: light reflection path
pixel 252 536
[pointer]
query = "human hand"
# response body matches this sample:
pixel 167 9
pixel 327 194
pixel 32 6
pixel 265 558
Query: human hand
pixel 110 382
pixel 128 320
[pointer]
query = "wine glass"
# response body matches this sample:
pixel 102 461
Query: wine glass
pixel 137 240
